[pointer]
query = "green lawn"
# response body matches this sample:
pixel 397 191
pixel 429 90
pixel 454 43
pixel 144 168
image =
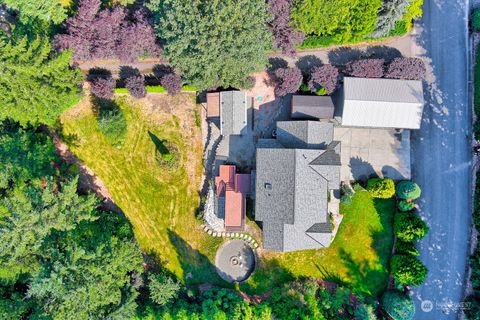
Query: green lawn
pixel 160 201
pixel 358 256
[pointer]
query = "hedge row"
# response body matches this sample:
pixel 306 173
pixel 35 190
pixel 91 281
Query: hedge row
pixel 156 89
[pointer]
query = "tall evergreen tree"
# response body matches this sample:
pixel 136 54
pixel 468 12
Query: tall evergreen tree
pixel 36 85
pixel 50 11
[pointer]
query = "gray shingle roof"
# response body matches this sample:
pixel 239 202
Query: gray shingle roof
pixel 304 134
pixel 233 112
pixel 292 185
pixel 312 107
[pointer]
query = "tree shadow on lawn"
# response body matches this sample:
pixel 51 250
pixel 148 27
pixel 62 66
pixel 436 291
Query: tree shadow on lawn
pixel 160 146
pixel 268 274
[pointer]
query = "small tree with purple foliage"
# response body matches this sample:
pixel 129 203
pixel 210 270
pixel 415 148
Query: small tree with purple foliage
pixel 325 76
pixel 285 37
pixel 287 80
pixel 107 34
pixel 136 86
pixel 406 69
pixel 172 82
pixel 366 68
pixel 102 87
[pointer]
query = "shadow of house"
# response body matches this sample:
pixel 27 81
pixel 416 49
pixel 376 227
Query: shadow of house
pixel 361 170
pixel 307 63
pixel 197 268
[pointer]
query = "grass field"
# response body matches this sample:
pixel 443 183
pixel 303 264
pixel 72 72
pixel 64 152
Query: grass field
pixel 160 201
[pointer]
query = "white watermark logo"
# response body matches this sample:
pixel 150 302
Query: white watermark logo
pixel 426 306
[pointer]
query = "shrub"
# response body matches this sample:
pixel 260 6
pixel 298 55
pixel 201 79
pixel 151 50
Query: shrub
pixel 103 87
pixel 407 248
pixel 398 305
pixel 324 77
pixel 472 307
pixel 381 188
pixel 162 288
pixel 136 86
pixel 408 270
pixel 406 69
pixel 172 83
pixel 348 194
pixel 284 35
pixel 287 80
pixel 408 190
pixel 405 205
pixel 365 68
pixel 476 19
pixel 474 261
pixel 414 10
pixel 409 227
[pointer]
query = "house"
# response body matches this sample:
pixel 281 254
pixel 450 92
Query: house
pixel 231 108
pixel 231 191
pixel 380 103
pixel 296 173
pixel 312 107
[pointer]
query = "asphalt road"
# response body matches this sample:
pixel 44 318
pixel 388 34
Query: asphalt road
pixel 441 158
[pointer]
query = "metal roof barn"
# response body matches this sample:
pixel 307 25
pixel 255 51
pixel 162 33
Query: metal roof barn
pixel 381 103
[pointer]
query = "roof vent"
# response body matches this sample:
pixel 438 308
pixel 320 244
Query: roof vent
pixel 268 186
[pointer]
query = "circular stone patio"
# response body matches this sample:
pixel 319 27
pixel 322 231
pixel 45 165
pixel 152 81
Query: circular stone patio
pixel 235 261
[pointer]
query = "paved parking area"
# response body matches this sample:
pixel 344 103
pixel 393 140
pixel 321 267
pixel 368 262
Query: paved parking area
pixel 374 152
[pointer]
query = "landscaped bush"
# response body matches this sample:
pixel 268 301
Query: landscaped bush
pixel 284 35
pixel 398 305
pixel 409 227
pixel 366 68
pixel 111 121
pixel 287 80
pixel 390 13
pixel 323 77
pixel 172 83
pixel 408 270
pixel 404 205
pixel 408 190
pixel 475 20
pixel 136 86
pixel 381 188
pixel 406 69
pixel 407 248
pixel 103 87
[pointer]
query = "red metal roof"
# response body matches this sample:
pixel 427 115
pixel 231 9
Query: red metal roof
pixel 234 187
pixel 213 104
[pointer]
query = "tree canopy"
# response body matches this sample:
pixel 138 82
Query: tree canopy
pixel 43 10
pixel 36 84
pixel 213 43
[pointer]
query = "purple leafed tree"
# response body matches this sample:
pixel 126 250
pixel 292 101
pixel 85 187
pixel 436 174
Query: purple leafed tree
pixel 172 82
pixel 406 69
pixel 107 34
pixel 103 87
pixel 287 80
pixel 285 37
pixel 136 86
pixel 366 68
pixel 325 76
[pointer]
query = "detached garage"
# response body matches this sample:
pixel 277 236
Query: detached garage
pixel 312 107
pixel 381 103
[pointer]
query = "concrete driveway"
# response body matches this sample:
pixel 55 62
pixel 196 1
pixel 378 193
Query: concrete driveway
pixel 374 152
pixel 442 159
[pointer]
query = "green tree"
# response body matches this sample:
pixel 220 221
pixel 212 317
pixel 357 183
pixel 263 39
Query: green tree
pixel 381 188
pixel 36 84
pixel 408 226
pixel 408 190
pixel 408 270
pixel 28 217
pixel 43 10
pixel 398 305
pixel 162 288
pixel 213 43
pixel 344 20
pixel 404 205
pixel 24 155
